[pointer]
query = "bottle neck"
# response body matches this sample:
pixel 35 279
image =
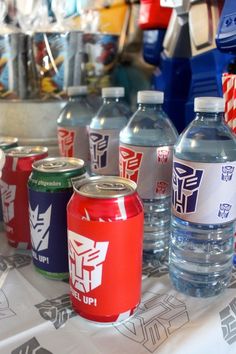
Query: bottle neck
pixel 150 106
pixel 109 100
pixel 210 116
pixel 77 98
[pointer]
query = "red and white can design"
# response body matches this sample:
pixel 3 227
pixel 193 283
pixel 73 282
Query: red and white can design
pixel 14 193
pixel 105 237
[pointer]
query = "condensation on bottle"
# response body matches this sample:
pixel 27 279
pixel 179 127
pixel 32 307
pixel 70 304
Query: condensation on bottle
pixel 104 131
pixel 203 203
pixel 146 151
pixel 72 124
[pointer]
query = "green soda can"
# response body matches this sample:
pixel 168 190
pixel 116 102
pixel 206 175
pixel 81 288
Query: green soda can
pixel 8 142
pixel 50 187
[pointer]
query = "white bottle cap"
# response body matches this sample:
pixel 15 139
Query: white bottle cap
pixel 113 92
pixel 151 97
pixel 77 90
pixel 209 104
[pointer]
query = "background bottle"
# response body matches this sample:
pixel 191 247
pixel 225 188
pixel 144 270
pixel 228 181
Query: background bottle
pixel 146 151
pixel 203 202
pixel 104 132
pixel 73 123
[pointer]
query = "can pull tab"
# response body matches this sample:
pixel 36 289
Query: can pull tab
pixel 53 165
pixel 106 186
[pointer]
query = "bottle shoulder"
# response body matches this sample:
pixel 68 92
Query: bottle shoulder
pixel 112 116
pixel 149 129
pixel 206 142
pixel 76 113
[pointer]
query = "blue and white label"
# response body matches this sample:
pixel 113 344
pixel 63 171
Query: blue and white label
pixel 48 228
pixel 204 192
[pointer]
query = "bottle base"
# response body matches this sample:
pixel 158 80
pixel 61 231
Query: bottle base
pixel 154 258
pixel 200 285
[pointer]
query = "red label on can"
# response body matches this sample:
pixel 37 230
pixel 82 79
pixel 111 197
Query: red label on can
pixel 105 261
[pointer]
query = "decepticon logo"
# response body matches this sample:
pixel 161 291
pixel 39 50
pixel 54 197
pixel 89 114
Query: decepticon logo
pixel 8 194
pixel 86 258
pixel 227 173
pixel 185 187
pixel 98 149
pixel 32 346
pixel 130 162
pixel 66 142
pixel 39 228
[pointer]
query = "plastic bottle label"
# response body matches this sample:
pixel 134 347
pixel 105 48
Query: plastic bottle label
pixel 149 167
pixel 104 151
pixel 204 193
pixel 73 142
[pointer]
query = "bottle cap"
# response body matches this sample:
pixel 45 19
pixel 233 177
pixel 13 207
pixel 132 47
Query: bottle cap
pixel 77 90
pixel 152 97
pixel 113 92
pixel 209 104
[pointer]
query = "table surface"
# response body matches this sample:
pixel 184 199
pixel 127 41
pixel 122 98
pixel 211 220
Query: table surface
pixel 36 316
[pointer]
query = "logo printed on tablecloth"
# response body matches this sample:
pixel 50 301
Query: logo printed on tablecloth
pixel 158 271
pixel 86 258
pixel 157 318
pixel 227 173
pixel 228 322
pixel 5 311
pixel 14 261
pixel 8 194
pixel 32 346
pixel 39 228
pixel 57 310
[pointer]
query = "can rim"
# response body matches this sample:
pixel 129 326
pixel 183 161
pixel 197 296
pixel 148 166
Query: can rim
pixel 53 163
pixel 25 151
pixel 130 187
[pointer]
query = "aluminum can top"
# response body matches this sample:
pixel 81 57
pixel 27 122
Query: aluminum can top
pixel 105 187
pixel 26 151
pixel 58 164
pixel 7 142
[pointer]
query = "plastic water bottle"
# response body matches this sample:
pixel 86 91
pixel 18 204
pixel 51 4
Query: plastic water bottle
pixel 104 131
pixel 72 125
pixel 203 202
pixel 146 152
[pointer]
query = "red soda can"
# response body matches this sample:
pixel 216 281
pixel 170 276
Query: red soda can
pixel 14 192
pixel 105 237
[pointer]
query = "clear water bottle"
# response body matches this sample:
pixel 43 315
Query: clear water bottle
pixel 146 152
pixel 72 125
pixel 203 202
pixel 104 132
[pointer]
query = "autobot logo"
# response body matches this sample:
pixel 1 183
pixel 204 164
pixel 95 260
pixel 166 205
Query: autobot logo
pixel 227 173
pixel 228 322
pixel 66 142
pixel 86 258
pixel 161 187
pixel 162 155
pixel 39 228
pixel 57 310
pixel 32 346
pixel 8 194
pixel 5 311
pixel 156 319
pixel 186 182
pixel 224 210
pixel 130 161
pixel 98 149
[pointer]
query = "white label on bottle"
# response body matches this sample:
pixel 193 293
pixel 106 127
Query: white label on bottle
pixel 149 167
pixel 171 3
pixel 204 193
pixel 73 142
pixel 104 151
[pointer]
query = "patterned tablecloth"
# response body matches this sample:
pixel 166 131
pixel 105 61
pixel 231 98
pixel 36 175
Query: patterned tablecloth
pixel 36 317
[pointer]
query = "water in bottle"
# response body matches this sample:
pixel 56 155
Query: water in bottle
pixel 104 131
pixel 146 152
pixel 203 202
pixel 72 125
